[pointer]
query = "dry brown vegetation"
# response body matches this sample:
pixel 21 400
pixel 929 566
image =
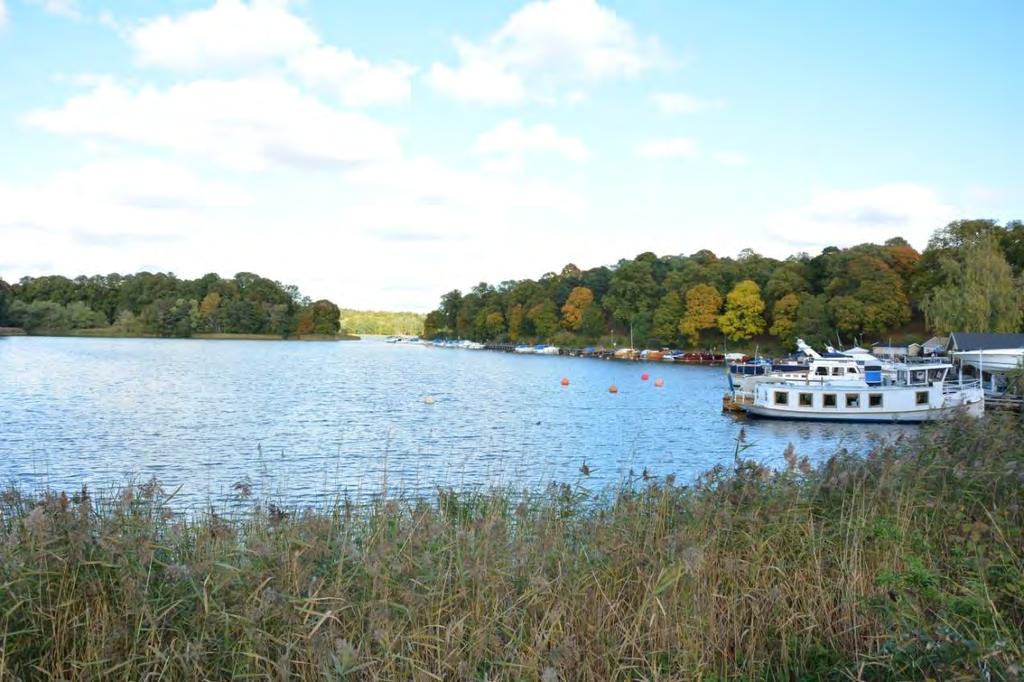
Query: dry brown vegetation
pixel 904 564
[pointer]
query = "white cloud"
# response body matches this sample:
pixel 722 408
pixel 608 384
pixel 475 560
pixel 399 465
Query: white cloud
pixel 246 124
pixel 478 78
pixel 125 215
pixel 544 46
pixel 3 13
pixel 681 103
pixel 356 81
pixel 513 139
pixel 231 33
pixel 67 9
pixel 730 158
pixel 668 148
pixel 844 217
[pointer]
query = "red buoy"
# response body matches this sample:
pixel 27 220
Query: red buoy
pixel 645 376
pixel 613 389
pixel 658 383
pixel 565 381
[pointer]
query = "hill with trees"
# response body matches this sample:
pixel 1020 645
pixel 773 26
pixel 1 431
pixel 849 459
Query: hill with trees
pixel 969 278
pixel 381 322
pixel 160 304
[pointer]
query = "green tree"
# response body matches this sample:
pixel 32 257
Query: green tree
pixel 326 318
pixel 433 324
pixel 592 324
pixel 6 296
pixel 631 291
pixel 812 321
pixel 867 296
pixel 81 316
pixel 981 294
pixel 743 312
pixel 667 317
pixel 702 305
pixel 544 318
pixel 784 314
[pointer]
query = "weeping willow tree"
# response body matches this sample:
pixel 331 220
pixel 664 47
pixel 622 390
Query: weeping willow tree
pixel 980 293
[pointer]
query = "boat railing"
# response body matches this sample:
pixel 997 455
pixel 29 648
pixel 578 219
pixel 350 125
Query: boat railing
pixel 956 387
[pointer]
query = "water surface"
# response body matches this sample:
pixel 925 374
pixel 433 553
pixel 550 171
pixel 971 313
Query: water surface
pixel 301 420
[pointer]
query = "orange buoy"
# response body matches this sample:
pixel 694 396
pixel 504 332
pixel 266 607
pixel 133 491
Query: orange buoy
pixel 613 389
pixel 658 383
pixel 565 381
pixel 645 376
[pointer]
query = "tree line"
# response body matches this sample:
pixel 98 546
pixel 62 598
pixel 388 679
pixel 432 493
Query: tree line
pixel 160 304
pixel 969 278
pixel 381 322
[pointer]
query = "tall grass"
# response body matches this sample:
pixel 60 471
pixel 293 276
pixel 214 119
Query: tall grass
pixel 904 564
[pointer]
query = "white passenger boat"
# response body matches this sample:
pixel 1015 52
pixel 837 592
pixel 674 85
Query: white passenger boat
pixel 843 389
pixel 523 348
pixel 547 350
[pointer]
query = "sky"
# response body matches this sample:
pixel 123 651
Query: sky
pixel 381 154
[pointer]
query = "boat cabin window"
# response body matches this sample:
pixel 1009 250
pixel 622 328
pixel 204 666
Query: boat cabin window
pixel 829 400
pixel 874 400
pixel 917 376
pixel 781 398
pixel 806 400
pixel 922 397
pixel 936 374
pixel 837 371
pixel 853 399
pixel 851 370
pixel 821 371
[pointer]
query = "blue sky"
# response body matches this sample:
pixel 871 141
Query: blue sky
pixel 380 154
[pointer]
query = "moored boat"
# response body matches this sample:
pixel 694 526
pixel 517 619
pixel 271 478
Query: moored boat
pixel 844 389
pixel 998 360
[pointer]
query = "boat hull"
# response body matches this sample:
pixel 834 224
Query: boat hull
pixel 975 409
pixel 850 403
pixel 994 361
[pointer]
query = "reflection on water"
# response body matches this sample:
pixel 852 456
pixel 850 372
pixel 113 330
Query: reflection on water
pixel 301 420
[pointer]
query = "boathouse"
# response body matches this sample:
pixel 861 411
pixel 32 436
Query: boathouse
pixel 962 341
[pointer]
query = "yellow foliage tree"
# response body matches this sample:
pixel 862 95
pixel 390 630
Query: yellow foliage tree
pixel 572 311
pixel 515 321
pixel 743 309
pixel 702 305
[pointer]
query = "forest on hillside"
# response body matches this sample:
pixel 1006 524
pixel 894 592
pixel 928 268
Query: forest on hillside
pixel 160 304
pixel 381 322
pixel 969 278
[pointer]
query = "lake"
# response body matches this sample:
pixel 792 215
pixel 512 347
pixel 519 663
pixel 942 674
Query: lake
pixel 300 420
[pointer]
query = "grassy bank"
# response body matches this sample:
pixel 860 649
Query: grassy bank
pixel 906 564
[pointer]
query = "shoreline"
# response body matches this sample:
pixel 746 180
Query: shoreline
pixel 104 334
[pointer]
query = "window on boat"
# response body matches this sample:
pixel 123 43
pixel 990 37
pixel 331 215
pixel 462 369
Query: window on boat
pixel 922 397
pixel 937 374
pixel 821 371
pixel 853 399
pixel 806 400
pixel 874 400
pixel 829 400
pixel 918 376
pixel 851 370
pixel 781 398
pixel 837 371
